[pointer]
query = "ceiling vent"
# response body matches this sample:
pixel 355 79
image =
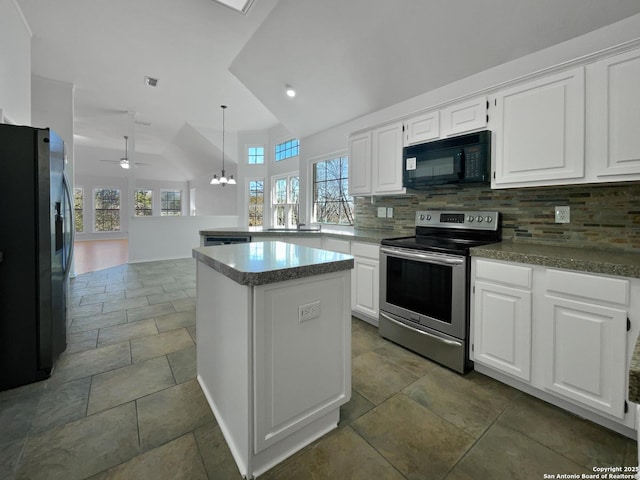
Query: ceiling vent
pixel 152 82
pixel 241 6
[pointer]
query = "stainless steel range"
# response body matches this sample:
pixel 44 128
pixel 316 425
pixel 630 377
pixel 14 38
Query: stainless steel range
pixel 424 284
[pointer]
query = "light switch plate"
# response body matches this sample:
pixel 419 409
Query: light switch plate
pixel 389 212
pixel 382 212
pixel 563 214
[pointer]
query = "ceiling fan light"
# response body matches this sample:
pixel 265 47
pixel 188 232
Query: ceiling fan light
pixel 214 180
pixel 232 181
pixel 223 180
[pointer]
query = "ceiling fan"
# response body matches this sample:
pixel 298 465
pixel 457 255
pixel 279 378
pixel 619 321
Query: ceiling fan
pixel 124 161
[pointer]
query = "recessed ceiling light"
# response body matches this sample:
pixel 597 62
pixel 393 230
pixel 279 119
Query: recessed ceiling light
pixel 241 6
pixel 290 91
pixel 152 82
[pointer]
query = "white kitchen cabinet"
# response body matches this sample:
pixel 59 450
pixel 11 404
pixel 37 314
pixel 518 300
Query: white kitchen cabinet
pixel 560 335
pixel 502 317
pixel 365 281
pixel 375 161
pixel 464 117
pixel 387 159
pixel 584 339
pixel 422 128
pixel 613 120
pixel 360 164
pixel 539 131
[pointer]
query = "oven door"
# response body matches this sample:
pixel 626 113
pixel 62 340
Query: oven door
pixel 425 288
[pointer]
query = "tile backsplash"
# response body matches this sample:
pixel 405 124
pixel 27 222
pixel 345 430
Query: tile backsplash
pixel 602 215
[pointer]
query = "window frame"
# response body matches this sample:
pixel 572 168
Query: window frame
pixel 162 209
pixel 249 204
pixel 249 156
pixel 312 190
pixel 291 211
pixel 75 210
pixel 119 209
pixel 135 202
pixel 286 149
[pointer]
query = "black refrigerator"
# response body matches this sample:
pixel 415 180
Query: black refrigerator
pixel 36 245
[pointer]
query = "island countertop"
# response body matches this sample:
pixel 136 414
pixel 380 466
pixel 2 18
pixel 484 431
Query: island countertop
pixel 269 262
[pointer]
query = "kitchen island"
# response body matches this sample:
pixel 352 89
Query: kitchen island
pixel 274 345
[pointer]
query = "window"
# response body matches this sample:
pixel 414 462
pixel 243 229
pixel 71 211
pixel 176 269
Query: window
pixel 255 155
pixel 287 149
pixel 78 217
pixel 331 202
pixel 142 202
pixel 256 202
pixel 170 203
pixel 286 192
pixel 107 210
pixel 192 202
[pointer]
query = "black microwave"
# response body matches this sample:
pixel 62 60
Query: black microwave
pixel 462 159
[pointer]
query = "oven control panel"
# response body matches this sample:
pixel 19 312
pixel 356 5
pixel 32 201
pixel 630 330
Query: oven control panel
pixel 474 220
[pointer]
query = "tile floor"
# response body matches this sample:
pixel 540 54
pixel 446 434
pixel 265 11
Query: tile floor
pixel 123 403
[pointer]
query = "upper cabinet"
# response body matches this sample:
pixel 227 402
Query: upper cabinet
pixel 422 128
pixel 360 164
pixel 387 159
pixel 456 119
pixel 464 117
pixel 375 161
pixel 539 131
pixel 613 122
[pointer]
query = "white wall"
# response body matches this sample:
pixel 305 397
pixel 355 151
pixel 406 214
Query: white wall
pixel 163 238
pixel 15 65
pixel 52 107
pixel 214 199
pixel 335 139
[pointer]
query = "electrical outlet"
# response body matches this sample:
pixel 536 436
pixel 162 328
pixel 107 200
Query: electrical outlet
pixel 563 214
pixel 389 212
pixel 382 212
pixel 308 311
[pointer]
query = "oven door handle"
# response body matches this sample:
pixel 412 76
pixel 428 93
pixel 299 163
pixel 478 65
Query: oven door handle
pixel 426 334
pixel 424 257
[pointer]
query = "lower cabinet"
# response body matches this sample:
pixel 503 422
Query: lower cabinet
pixel 583 339
pixel 365 281
pixel 562 333
pixel 503 328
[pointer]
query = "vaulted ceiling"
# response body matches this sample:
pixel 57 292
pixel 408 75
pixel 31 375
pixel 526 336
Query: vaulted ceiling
pixel 346 58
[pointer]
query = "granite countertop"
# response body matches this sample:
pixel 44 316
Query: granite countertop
pixel 591 260
pixel 270 262
pixel 356 234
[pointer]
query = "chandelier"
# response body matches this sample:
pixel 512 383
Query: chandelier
pixel 222 180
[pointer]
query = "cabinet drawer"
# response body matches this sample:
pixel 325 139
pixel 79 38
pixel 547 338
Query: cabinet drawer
pixel 593 287
pixel 368 250
pixel 504 273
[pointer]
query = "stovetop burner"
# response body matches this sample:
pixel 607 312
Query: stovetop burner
pixel 450 232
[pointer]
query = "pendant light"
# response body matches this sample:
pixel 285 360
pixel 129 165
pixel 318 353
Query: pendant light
pixel 222 180
pixel 124 162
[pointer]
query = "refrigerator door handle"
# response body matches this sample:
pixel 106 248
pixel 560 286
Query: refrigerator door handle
pixel 69 257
